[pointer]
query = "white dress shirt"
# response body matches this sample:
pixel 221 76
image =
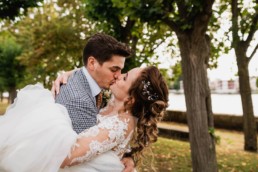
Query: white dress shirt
pixel 94 87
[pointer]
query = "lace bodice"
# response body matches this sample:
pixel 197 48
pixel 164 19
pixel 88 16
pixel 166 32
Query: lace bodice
pixel 112 132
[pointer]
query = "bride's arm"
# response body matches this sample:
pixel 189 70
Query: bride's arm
pixel 96 140
pixel 62 79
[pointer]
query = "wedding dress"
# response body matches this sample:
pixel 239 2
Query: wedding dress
pixel 36 135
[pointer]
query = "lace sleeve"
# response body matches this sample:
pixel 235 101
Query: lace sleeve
pixel 98 139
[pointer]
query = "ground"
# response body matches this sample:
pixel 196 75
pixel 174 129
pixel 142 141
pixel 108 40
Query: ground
pixel 229 140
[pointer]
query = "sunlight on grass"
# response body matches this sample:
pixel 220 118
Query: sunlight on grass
pixel 3 106
pixel 172 155
pixel 169 155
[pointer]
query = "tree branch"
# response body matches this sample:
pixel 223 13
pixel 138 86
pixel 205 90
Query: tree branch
pixel 202 18
pixel 182 8
pixel 156 46
pixel 167 5
pixel 171 24
pixel 168 9
pixel 126 31
pixel 252 28
pixel 253 53
pixel 235 13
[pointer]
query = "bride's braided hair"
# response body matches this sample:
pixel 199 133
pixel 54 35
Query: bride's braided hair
pixel 150 94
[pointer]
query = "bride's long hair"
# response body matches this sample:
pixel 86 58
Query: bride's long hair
pixel 150 100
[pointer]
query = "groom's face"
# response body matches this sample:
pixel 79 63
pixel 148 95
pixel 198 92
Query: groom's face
pixel 106 74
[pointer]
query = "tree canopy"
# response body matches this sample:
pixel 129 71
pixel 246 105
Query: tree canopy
pixel 52 39
pixel 112 17
pixel 12 72
pixel 9 9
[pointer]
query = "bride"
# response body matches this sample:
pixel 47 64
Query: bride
pixel 36 133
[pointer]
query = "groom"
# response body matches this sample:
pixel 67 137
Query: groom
pixel 103 58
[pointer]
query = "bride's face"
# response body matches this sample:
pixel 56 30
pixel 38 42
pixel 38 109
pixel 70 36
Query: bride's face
pixel 122 85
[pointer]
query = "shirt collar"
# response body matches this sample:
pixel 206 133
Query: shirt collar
pixel 94 87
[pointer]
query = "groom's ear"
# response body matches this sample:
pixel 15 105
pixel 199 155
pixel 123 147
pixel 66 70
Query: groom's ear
pixel 92 63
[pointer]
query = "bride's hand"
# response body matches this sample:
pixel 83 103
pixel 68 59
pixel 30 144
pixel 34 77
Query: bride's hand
pixel 129 164
pixel 62 79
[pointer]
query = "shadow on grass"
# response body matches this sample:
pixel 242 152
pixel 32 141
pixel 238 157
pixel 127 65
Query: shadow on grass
pixel 169 155
pixel 174 156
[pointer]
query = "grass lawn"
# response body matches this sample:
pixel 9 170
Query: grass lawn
pixel 168 155
pixel 3 106
pixel 173 155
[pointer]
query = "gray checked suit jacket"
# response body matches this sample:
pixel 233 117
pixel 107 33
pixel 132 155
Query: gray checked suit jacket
pixel 76 96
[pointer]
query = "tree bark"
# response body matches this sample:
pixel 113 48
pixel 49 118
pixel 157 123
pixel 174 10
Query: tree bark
pixel 240 47
pixel 12 94
pixel 2 97
pixel 249 124
pixel 194 47
pixel 195 53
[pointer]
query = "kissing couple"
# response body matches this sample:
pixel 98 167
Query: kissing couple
pixel 71 132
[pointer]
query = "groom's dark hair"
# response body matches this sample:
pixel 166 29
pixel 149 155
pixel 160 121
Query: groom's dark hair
pixel 102 47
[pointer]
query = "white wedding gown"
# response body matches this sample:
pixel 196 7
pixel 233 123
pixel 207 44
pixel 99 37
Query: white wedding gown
pixel 36 136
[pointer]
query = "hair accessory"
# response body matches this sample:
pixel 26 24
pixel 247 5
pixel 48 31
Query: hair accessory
pixel 147 91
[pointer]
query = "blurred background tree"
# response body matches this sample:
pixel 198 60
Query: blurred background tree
pixel 52 38
pixel 12 72
pixel 244 26
pixel 112 18
pixel 177 76
pixel 57 40
pixel 11 9
pixel 189 20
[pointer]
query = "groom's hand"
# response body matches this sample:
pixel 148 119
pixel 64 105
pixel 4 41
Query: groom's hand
pixel 128 163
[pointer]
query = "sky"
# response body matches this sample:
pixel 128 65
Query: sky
pixel 227 66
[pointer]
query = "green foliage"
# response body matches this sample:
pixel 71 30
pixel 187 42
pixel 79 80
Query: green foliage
pixel 256 82
pixel 53 38
pixel 167 78
pixel 176 84
pixel 219 36
pixel 212 133
pixel 177 75
pixel 108 16
pixel 177 16
pixel 12 72
pixel 247 15
pixel 114 17
pixel 153 11
pixel 244 22
pixel 9 9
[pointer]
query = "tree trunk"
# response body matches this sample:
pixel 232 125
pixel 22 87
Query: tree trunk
pixel 2 97
pixel 12 94
pixel 249 124
pixel 195 53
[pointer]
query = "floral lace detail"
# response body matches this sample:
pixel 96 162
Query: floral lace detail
pixel 124 147
pixel 109 134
